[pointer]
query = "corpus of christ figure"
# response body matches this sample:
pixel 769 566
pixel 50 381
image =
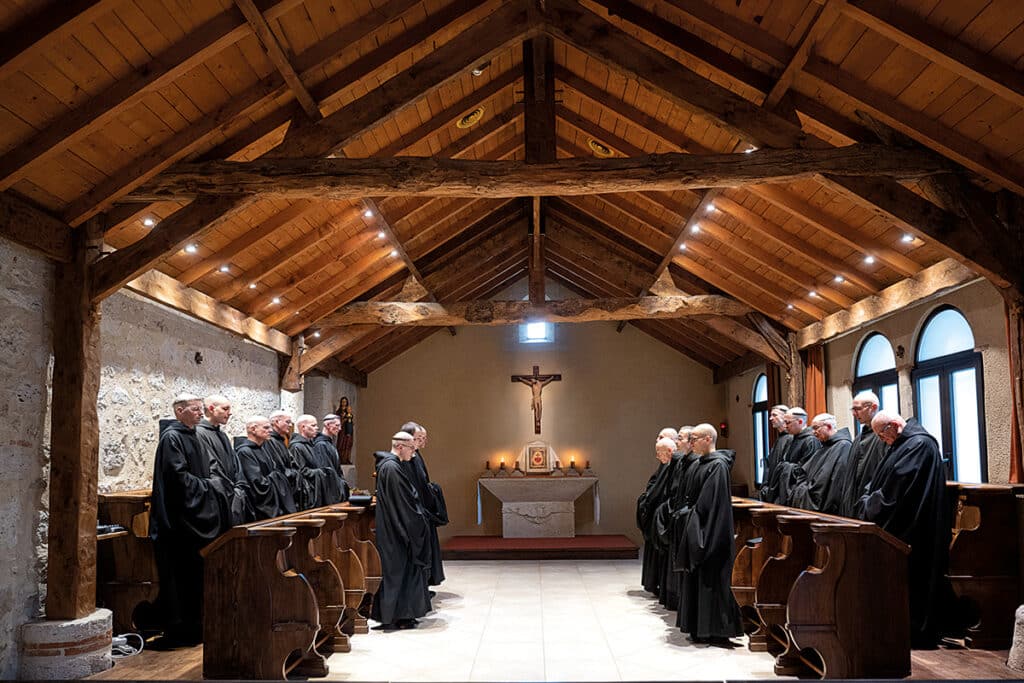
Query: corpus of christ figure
pixel 536 382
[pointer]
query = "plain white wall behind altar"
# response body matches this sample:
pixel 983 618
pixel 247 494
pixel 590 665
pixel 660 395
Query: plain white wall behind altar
pixel 617 391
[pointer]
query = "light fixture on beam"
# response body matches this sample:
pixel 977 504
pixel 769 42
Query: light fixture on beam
pixel 149 221
pixel 710 208
pixel 812 294
pixel 191 249
pixel 682 247
pixel 869 259
pixel 789 307
pixel 480 69
pixel 317 334
pixel 695 229
pixel 225 268
pixel 907 238
pixel 394 253
pixel 252 285
pixel 381 235
pixel 276 300
pixel 840 279
pixel 368 213
pixel 750 149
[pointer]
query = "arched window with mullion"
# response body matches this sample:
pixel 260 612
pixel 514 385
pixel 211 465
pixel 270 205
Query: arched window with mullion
pixel 875 371
pixel 759 411
pixel 949 394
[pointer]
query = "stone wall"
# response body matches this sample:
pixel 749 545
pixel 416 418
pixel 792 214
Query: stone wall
pixel 26 308
pixel 150 354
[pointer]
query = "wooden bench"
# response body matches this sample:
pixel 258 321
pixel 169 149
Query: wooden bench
pixel 126 575
pixel 809 606
pixel 984 560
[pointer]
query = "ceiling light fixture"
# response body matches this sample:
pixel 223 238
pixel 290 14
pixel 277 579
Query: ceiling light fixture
pixel 789 307
pixel 149 221
pixel 191 249
pixel 840 278
pixel 225 268
pixel 480 69
pixel 394 253
pixel 710 208
pixel 380 235
pixel 368 213
pixel 600 150
pixel 682 247
pixel 252 285
pixel 695 229
pixel 317 334
pixel 869 259
pixel 276 300
pixel 908 238
pixel 812 294
pixel 750 149
pixel 470 118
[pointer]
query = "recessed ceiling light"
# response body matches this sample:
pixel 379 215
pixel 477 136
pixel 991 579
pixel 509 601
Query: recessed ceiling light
pixel 789 307
pixel 276 300
pixel 600 149
pixel 479 69
pixel 149 221
pixel 225 268
pixel 710 207
pixel 695 229
pixel 750 149
pixel 380 235
pixel 394 252
pixel 908 238
pixel 368 213
pixel 252 285
pixel 812 294
pixel 682 247
pixel 470 118
pixel 317 334
pixel 840 278
pixel 869 260
pixel 191 249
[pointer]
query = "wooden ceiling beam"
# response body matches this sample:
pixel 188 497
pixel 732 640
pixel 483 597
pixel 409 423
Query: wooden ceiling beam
pixel 470 261
pixel 197 46
pixel 242 243
pixel 909 31
pixel 541 141
pixel 472 237
pixel 459 285
pixel 114 270
pixel 34 228
pixel 347 284
pixel 824 17
pixel 429 234
pixel 585 221
pixel 497 281
pixel 386 354
pixel 45 28
pixel 573 241
pixel 484 40
pixel 272 46
pixel 751 38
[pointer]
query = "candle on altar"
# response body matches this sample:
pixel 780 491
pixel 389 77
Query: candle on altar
pixel 502 462
pixel 572 462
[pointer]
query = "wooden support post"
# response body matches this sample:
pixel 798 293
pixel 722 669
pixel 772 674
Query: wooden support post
pixel 1015 338
pixel 536 276
pixel 794 373
pixel 292 379
pixel 74 440
pixel 541 141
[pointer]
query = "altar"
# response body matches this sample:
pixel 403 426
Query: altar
pixel 540 506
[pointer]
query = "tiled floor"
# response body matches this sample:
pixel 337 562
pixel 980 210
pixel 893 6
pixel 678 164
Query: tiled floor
pixel 543 621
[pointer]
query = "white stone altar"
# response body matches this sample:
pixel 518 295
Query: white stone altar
pixel 538 506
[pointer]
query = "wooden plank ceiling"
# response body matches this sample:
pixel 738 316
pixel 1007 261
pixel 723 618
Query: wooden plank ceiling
pixel 98 97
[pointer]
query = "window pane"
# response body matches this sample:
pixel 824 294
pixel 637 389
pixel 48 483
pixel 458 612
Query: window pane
pixel 929 408
pixel 761 389
pixel 946 333
pixel 535 331
pixel 890 398
pixel 966 426
pixel 875 356
pixel 760 448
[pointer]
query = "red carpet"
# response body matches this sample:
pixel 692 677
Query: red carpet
pixel 610 547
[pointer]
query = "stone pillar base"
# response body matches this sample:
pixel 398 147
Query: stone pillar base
pixel 66 649
pixel 349 473
pixel 538 520
pixel 1016 659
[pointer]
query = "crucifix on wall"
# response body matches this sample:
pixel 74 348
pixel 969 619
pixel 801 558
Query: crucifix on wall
pixel 536 382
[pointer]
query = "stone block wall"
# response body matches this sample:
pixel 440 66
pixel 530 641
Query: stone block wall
pixel 26 307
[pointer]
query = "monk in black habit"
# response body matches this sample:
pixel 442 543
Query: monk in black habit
pixel 402 540
pixel 223 459
pixel 431 498
pixel 652 568
pixel 907 498
pixel 821 468
pixel 788 473
pixel 189 509
pixel 668 515
pixel 783 439
pixel 327 452
pixel 270 492
pixel 706 549
pixel 277 447
pixel 865 455
pixel 322 485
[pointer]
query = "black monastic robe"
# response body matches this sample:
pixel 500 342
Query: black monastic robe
pixel 321 484
pixel 270 492
pixel 643 518
pixel 907 498
pixel 436 511
pixel 669 591
pixel 776 455
pixel 277 449
pixel 788 473
pixel 820 472
pixel 706 551
pixel 865 455
pixel 224 463
pixel 653 567
pixel 327 459
pixel 403 542
pixel 189 509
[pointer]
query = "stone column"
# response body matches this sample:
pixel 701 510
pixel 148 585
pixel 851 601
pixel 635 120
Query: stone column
pixel 66 649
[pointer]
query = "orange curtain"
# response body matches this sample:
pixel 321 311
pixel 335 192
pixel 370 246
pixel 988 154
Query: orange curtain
pixel 814 381
pixel 1016 348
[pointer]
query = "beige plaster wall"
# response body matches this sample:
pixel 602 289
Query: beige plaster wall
pixel 739 405
pixel 982 305
pixel 617 391
pixel 26 308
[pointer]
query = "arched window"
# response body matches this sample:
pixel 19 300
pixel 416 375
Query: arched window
pixel 876 371
pixel 949 395
pixel 759 407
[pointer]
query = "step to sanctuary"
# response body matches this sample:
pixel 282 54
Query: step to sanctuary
pixel 592 547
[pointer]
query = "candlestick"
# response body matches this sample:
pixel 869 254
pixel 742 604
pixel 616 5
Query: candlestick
pixel 503 463
pixel 572 463
pixel 487 464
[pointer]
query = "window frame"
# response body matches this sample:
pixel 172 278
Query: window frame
pixel 876 380
pixel 755 408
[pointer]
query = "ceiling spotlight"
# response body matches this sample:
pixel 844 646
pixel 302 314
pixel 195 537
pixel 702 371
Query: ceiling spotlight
pixel 317 334
pixel 682 247
pixel 225 268
pixel 380 235
pixel 710 207
pixel 840 278
pixel 252 285
pixel 149 221
pixel 276 300
pixel 869 260
pixel 480 69
pixel 908 238
pixel 191 249
pixel 394 253
pixel 789 307
pixel 368 213
pixel 750 149
pixel 812 294
pixel 695 229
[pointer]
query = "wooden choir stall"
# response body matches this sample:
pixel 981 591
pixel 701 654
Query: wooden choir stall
pixel 281 594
